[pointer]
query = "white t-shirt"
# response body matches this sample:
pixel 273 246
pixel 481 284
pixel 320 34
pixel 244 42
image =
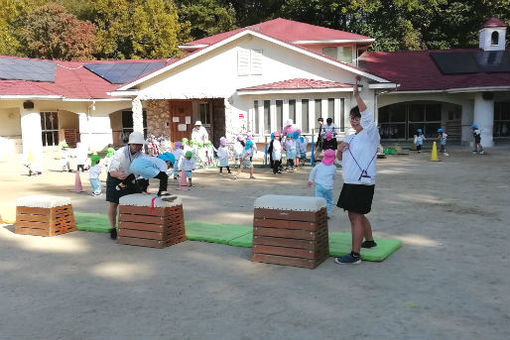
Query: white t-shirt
pixel 361 154
pixel 95 171
pixel 324 175
pixel 122 159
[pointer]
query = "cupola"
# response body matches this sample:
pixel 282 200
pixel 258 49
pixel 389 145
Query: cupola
pixel 493 35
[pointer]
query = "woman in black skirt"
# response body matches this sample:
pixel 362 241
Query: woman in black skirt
pixel 358 153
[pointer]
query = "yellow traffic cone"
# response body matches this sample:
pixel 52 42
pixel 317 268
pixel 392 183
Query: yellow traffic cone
pixel 433 155
pixel 30 156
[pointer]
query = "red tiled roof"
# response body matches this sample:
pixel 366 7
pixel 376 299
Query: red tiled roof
pixel 286 31
pixel 415 71
pixel 297 84
pixel 72 80
pixel 494 22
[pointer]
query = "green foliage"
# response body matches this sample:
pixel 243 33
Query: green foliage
pixel 136 29
pixel 50 32
pixel 10 21
pixel 206 17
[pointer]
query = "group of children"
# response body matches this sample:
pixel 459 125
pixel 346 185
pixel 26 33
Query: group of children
pixel 442 137
pixel 293 147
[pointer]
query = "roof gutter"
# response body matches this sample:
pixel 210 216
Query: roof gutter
pixel 293 91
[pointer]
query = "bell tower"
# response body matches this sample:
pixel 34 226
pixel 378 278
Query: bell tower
pixel 493 35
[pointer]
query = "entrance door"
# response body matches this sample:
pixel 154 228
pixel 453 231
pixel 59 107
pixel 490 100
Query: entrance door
pixel 180 115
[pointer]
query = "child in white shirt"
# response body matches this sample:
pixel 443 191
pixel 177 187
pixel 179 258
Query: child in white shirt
pixel 187 164
pixel 324 175
pixel 94 173
pixel 223 155
pixel 178 154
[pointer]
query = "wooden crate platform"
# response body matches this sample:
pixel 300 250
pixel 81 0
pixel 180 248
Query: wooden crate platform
pixel 44 221
pixel 151 227
pixel 290 238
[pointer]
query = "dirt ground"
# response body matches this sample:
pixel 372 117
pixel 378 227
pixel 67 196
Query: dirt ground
pixel 450 279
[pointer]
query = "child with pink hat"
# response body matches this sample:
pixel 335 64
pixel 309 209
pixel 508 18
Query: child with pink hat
pixel 324 175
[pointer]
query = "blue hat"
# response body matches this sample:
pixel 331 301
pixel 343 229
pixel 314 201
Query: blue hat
pixel 167 157
pixel 295 134
pixel 474 126
pixel 439 130
pixel 272 135
pixel 289 135
pixel 419 130
pixel 301 139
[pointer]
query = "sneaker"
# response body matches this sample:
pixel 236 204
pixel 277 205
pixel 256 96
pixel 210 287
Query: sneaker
pixel 113 233
pixel 369 244
pixel 348 259
pixel 169 198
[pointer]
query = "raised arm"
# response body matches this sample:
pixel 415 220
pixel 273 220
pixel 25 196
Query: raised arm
pixel 361 104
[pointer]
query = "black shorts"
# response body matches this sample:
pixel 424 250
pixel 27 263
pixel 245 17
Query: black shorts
pixel 356 198
pixel 112 194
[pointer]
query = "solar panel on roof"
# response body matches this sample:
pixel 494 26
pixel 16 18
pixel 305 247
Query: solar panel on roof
pixel 123 72
pixel 30 70
pixel 472 62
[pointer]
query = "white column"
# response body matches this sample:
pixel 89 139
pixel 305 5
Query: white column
pixel 324 109
pixel 299 114
pixel 311 114
pixel 261 117
pixel 95 131
pixel 137 115
pixel 272 115
pixel 484 118
pixel 336 115
pixel 285 109
pixel 31 134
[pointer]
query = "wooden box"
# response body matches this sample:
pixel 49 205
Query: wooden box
pixel 44 216
pixel 155 227
pixel 290 230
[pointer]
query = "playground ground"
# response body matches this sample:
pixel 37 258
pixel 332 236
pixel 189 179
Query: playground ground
pixel 450 279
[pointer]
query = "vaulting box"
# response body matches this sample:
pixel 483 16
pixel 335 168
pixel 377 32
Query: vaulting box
pixel 44 215
pixel 150 222
pixel 290 230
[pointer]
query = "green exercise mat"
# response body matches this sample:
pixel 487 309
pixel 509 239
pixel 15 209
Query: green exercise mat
pixel 215 233
pixel 245 241
pixel 92 222
pixel 340 245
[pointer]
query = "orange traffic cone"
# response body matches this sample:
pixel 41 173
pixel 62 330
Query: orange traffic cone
pixel 77 183
pixel 183 183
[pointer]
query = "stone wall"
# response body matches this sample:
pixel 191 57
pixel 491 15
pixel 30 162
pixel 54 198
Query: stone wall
pixel 158 118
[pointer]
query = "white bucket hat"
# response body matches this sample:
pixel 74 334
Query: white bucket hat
pixel 136 138
pixel 198 122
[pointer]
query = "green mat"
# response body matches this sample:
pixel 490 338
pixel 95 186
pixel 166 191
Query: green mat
pixel 340 245
pixel 242 236
pixel 92 222
pixel 216 233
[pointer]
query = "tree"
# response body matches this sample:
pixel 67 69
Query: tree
pixel 136 29
pixel 12 11
pixel 50 32
pixel 206 17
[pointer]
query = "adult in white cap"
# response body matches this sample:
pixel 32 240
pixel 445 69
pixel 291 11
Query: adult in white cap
pixel 199 133
pixel 117 172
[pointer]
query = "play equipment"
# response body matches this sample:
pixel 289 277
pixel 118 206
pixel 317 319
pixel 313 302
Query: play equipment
pixel 433 155
pixel 44 216
pixel 290 230
pixel 77 183
pixel 150 221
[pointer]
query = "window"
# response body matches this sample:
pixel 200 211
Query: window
pixel 501 119
pixel 345 54
pixel 249 62
pixel 204 113
pixel 49 127
pixel 329 51
pixel 331 108
pixel 342 53
pixel 256 113
pixel 494 38
pixel 127 123
pixel 292 110
pixel 279 115
pixel 267 116
pixel 305 115
pixel 318 108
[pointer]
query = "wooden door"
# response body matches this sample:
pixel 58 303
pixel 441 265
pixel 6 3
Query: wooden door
pixel 180 118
